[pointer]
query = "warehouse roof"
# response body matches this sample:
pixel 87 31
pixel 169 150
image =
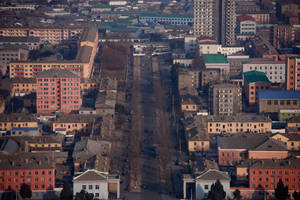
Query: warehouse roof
pixel 278 94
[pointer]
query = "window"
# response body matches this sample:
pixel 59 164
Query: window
pixel 269 102
pixel 275 102
pixel 36 173
pixel 84 187
pixel 206 187
pixel 97 195
pixel 97 187
pixel 90 187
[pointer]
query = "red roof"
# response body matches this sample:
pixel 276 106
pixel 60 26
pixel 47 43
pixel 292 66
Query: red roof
pixel 242 18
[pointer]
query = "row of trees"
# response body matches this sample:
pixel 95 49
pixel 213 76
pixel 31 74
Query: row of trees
pixel 281 192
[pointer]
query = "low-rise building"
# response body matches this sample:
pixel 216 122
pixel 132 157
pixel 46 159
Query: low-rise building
pixel 292 141
pixel 11 53
pixel 189 103
pixel 294 122
pixel 233 149
pixel 217 61
pixel 198 140
pixel 188 80
pixel 36 171
pixel 225 99
pixel 239 123
pixel 264 174
pixel 17 120
pixel 274 70
pixel 285 114
pixel 246 25
pixel 22 86
pixel 74 122
pixel 255 81
pixel 273 101
pixel 100 184
pixel 219 49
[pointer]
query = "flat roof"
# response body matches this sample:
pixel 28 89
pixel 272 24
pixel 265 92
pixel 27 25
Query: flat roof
pixel 215 58
pixel 256 76
pixel 278 94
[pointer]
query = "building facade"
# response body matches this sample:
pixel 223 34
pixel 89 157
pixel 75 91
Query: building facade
pixel 167 19
pixel 100 184
pixel 255 81
pixel 22 86
pixel 225 99
pixel 239 123
pixel 228 22
pixel 206 19
pixel 10 121
pixel 246 25
pixel 293 73
pixel 188 80
pixel 37 172
pixel 11 53
pixel 57 91
pixel 274 70
pixel 51 35
pixel 32 43
pixel 273 101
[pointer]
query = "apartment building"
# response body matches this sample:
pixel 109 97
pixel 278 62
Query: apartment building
pixel 22 86
pixel 274 70
pixel 283 35
pixel 273 101
pixel 225 99
pixel 51 35
pixel 266 173
pixel 11 53
pixel 74 122
pixel 293 73
pixel 294 122
pixel 188 80
pixel 57 91
pixel 82 65
pixel 209 76
pixel 171 19
pixel 206 19
pixel 255 81
pixel 34 170
pixel 228 24
pixel 17 120
pixel 239 123
pixel 198 140
pixel 32 43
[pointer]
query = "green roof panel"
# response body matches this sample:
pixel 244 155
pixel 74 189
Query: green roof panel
pixel 256 76
pixel 215 58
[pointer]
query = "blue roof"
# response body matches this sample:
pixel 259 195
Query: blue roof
pixel 278 94
pixel 24 128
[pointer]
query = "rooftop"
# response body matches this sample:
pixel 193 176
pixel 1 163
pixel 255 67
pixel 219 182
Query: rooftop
pixel 239 117
pixel 89 34
pixel 17 117
pixel 215 58
pixel 242 18
pixel 278 94
pixel 256 76
pixel 57 73
pixel 84 54
pixel 290 163
pixel 251 142
pixel 20 39
pixel 152 14
pixel 92 174
pixel 73 118
pixel 213 174
pixel 23 80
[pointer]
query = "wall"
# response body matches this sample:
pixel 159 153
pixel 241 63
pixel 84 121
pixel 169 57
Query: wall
pixel 201 192
pixel 102 191
pixel 268 154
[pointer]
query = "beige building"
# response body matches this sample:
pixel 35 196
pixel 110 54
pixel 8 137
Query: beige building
pixel 7 122
pixel 82 65
pixel 11 53
pixel 198 140
pixel 209 76
pixel 188 81
pixel 225 99
pixel 240 123
pixel 292 141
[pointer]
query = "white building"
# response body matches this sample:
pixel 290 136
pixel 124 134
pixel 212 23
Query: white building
pixel 98 183
pixel 246 25
pixel 205 180
pixel 217 61
pixel 218 49
pixel 275 70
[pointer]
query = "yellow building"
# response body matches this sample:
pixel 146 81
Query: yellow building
pixel 43 143
pixel 7 122
pixel 82 65
pixel 294 122
pixel 22 86
pixel 198 140
pixel 189 103
pixel 240 123
pixel 74 122
pixel 292 141
pixel 87 85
